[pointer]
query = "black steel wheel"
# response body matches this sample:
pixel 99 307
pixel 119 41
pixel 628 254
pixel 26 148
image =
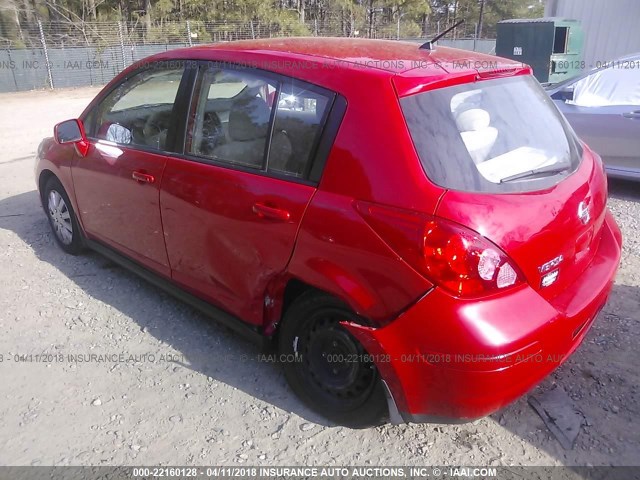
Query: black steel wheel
pixel 326 366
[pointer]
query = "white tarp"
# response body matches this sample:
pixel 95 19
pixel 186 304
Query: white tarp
pixel 617 85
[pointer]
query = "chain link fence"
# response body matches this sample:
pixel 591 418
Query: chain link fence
pixel 66 54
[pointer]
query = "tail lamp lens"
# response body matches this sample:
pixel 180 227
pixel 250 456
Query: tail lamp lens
pixel 488 263
pixel 463 261
pixel 452 256
pixel 506 276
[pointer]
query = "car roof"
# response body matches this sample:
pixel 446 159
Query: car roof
pixel 391 56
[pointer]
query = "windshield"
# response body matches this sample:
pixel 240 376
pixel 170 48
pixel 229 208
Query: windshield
pixel 502 135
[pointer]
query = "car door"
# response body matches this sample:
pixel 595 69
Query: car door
pixel 231 206
pixel 117 183
pixel 605 113
pixel 613 132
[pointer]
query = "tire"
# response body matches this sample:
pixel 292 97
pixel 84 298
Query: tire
pixel 62 218
pixel 328 371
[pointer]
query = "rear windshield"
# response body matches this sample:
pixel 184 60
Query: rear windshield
pixel 502 135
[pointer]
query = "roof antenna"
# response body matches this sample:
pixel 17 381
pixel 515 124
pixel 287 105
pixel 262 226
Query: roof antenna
pixel 430 44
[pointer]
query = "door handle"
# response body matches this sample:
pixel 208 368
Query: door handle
pixel 142 177
pixel 635 115
pixel 264 211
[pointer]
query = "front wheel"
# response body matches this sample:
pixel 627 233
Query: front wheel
pixel 329 369
pixel 61 217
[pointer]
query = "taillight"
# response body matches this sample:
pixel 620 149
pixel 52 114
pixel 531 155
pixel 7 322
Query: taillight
pixel 452 256
pixel 463 261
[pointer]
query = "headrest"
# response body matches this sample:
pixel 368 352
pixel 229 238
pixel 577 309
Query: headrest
pixel 473 120
pixel 249 119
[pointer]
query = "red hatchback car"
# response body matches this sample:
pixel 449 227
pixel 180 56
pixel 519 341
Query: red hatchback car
pixel 419 231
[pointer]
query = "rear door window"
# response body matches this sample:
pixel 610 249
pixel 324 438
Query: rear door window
pixel 502 135
pixel 300 114
pixel 251 119
pixel 230 121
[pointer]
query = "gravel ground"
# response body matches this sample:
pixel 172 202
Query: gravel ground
pixel 188 391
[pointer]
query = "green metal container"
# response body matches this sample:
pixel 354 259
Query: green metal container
pixel 552 46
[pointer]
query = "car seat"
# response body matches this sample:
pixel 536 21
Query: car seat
pixel 476 132
pixel 212 134
pixel 247 130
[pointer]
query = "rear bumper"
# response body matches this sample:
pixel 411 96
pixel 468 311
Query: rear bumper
pixel 447 359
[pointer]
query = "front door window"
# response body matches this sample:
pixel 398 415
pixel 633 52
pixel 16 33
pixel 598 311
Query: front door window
pixel 139 112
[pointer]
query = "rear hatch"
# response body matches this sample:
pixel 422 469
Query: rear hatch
pixel 514 172
pixel 544 233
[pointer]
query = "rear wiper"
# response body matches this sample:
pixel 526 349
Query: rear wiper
pixel 550 169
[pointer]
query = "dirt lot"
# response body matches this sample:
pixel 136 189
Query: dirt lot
pixel 190 392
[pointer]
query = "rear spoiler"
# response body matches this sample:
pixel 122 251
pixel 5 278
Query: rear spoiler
pixel 412 81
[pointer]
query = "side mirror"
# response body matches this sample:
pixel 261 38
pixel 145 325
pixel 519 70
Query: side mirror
pixel 72 131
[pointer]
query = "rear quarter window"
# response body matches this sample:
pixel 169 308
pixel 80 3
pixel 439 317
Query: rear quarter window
pixel 490 136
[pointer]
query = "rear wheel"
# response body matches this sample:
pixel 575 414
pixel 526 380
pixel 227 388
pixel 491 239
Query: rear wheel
pixel 327 367
pixel 61 216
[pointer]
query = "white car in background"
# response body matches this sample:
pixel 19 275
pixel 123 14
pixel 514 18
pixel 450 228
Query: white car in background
pixel 603 107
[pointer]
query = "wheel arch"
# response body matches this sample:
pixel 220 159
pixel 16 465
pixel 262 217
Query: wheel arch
pixel 279 296
pixel 44 175
pixel 43 178
pixel 291 288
